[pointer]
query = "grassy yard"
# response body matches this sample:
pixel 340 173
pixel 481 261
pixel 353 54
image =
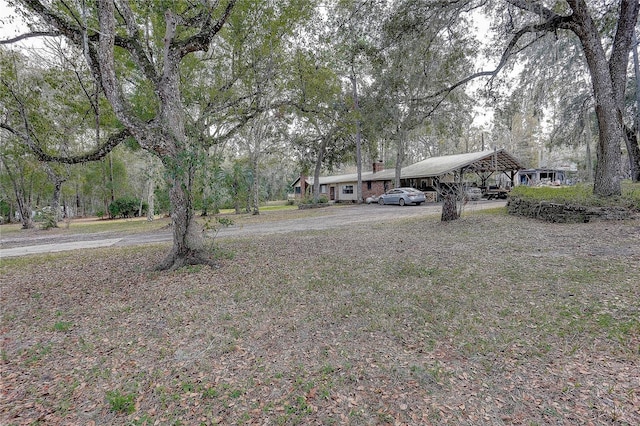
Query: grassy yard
pixel 87 226
pixel 90 225
pixel 487 320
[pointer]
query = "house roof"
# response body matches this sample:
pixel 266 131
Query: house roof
pixel 485 161
pixel 350 177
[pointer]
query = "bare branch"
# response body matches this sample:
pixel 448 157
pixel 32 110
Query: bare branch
pixel 202 39
pixel 66 28
pixel 132 42
pixel 97 154
pixel 31 35
pixel 555 22
pixel 536 8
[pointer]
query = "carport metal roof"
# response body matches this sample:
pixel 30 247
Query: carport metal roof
pixel 480 162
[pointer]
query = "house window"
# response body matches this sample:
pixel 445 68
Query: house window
pixel 369 185
pixel 347 189
pixel 323 189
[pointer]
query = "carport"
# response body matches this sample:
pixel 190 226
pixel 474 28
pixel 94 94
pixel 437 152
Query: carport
pixel 434 176
pixel 438 174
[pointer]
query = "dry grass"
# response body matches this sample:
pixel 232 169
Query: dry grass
pixel 487 320
pixel 85 226
pixel 94 225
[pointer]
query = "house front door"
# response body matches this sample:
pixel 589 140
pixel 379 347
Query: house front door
pixel 332 193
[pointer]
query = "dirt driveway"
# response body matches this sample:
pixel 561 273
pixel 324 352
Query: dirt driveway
pixel 316 219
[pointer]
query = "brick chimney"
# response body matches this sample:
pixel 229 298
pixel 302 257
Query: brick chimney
pixel 378 166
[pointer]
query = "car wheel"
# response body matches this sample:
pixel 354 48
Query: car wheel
pixel 381 201
pixel 401 202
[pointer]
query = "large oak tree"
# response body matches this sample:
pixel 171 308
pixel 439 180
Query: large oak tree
pixel 607 61
pixel 143 43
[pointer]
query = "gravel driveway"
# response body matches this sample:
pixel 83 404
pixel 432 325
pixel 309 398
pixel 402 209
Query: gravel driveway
pixel 320 219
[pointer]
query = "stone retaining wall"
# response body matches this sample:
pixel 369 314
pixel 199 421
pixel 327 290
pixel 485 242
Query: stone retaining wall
pixel 565 213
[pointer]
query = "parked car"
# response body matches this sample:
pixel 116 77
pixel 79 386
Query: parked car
pixel 402 196
pixel 473 193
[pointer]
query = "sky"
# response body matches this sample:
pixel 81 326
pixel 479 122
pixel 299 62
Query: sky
pixel 11 26
pixel 8 28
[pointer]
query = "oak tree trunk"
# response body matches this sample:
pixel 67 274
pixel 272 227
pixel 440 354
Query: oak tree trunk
pixel 399 156
pixel 255 184
pixel 449 208
pixel 607 179
pixel 188 246
pixel 188 239
pixel 608 78
pixel 633 151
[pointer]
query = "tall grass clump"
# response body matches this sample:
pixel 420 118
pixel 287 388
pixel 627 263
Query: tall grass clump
pixel 631 193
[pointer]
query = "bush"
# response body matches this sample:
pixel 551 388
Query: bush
pixel 47 218
pixel 580 195
pixel 126 207
pixel 631 193
pixel 323 199
pixel 5 209
pixel 162 204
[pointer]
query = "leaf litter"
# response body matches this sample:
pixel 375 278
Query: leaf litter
pixel 487 320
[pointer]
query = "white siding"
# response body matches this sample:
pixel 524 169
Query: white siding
pixel 347 192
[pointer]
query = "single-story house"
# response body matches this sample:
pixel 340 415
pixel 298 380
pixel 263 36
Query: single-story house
pixel 430 175
pixel 341 188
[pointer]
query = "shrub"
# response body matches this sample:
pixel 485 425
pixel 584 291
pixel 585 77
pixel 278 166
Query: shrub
pixel 323 199
pixel 5 209
pixel 47 218
pixel 581 195
pixel 631 193
pixel 126 207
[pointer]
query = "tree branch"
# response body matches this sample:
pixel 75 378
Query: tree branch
pixel 202 39
pixel 619 59
pixel 74 33
pixel 31 35
pixel 536 8
pixel 132 42
pixel 97 154
pixel 553 23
